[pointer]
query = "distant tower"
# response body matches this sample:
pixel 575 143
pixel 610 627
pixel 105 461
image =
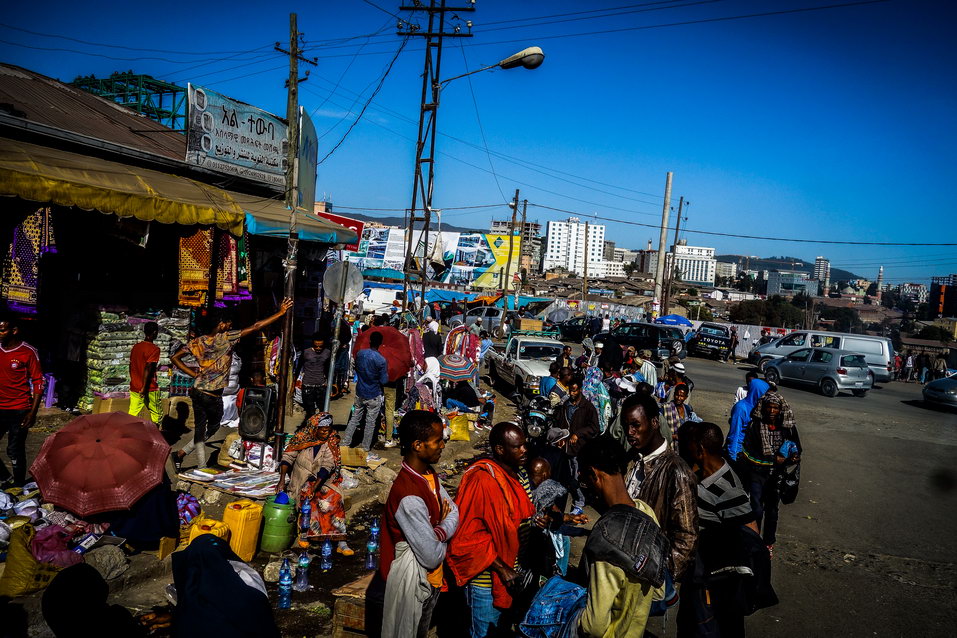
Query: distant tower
pixel 880 282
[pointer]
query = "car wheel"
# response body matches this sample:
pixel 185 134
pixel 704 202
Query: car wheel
pixel 676 347
pixel 762 363
pixel 829 388
pixel 860 393
pixel 771 375
pixel 498 332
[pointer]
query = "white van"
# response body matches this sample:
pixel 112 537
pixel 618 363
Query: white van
pixel 877 351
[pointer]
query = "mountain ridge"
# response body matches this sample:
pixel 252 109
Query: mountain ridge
pixel 784 263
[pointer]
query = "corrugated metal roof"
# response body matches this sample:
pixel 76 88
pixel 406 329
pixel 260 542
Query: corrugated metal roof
pixel 43 100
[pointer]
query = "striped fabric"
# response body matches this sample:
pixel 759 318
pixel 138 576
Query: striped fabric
pixel 485 578
pixel 722 500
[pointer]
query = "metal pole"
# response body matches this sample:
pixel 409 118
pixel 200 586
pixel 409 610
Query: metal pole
pixel 292 248
pixel 665 308
pixel 336 320
pixel 511 247
pixel 585 275
pixel 522 250
pixel 662 241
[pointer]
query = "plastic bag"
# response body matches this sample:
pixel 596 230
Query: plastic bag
pixel 23 573
pixel 460 428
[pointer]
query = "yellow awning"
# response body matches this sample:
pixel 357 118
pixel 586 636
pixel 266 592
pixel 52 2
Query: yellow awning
pixel 43 174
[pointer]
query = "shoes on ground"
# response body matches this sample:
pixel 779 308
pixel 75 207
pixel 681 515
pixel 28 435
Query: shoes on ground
pixel 391 443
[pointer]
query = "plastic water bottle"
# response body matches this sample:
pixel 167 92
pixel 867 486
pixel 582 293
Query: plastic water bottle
pixel 325 563
pixel 302 572
pixel 372 546
pixel 306 516
pixel 285 585
pixel 374 528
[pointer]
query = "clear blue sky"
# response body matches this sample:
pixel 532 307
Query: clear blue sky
pixel 833 124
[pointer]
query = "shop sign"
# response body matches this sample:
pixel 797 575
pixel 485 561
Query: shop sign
pixel 351 224
pixel 235 138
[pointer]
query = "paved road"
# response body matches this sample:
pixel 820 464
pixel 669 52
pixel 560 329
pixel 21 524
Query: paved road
pixel 870 546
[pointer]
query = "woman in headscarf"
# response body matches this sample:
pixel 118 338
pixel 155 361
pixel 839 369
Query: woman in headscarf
pixel 741 416
pixel 313 464
pixel 676 412
pixel 771 442
pixel 593 388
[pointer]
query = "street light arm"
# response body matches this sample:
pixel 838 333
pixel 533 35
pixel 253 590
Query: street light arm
pixel 530 58
pixel 456 77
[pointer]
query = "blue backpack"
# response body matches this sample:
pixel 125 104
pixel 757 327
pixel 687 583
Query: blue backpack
pixel 555 610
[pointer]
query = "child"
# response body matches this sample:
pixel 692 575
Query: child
pixel 548 497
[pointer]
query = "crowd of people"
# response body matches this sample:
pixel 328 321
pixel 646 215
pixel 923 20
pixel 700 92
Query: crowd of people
pixel 687 516
pixel 921 367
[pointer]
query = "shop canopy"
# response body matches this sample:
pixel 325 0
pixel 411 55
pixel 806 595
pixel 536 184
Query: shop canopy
pixel 49 175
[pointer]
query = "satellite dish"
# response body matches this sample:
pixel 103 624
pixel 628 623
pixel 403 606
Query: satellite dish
pixel 342 282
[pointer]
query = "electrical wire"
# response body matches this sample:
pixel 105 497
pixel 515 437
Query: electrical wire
pixel 368 102
pixel 402 210
pixel 386 11
pixel 118 46
pixel 478 118
pixel 265 57
pixel 759 237
pixel 100 55
pixel 665 25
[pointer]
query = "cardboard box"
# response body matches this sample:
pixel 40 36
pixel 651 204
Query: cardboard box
pixel 527 324
pixel 110 405
pixel 353 457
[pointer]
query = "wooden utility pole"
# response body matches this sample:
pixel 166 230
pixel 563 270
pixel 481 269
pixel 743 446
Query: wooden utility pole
pixel 292 200
pixel 511 248
pixel 585 277
pixel 523 250
pixel 666 306
pixel 662 241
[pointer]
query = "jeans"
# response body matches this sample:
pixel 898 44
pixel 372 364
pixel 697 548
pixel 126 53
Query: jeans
pixel 10 424
pixel 151 400
pixel 366 410
pixel 427 608
pixel 313 398
pixel 207 415
pixel 765 501
pixel 485 617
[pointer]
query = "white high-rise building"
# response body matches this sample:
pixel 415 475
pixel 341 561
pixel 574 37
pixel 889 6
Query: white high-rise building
pixel 822 269
pixel 726 270
pixel 567 246
pixel 695 264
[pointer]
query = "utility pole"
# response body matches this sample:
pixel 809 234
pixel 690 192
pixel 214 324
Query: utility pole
pixel 585 277
pixel 662 240
pixel 666 306
pixel 523 250
pixel 511 248
pixel 423 181
pixel 290 264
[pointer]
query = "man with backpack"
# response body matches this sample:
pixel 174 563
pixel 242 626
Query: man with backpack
pixel 626 555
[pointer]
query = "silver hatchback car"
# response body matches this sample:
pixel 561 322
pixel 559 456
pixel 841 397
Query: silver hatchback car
pixel 829 369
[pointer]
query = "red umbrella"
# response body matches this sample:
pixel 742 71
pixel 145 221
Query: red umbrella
pixel 100 462
pixel 395 349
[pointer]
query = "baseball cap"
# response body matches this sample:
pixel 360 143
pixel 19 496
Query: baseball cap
pixel 678 367
pixel 555 435
pixel 645 354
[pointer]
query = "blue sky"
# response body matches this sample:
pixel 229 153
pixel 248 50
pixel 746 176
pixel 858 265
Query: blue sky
pixel 835 124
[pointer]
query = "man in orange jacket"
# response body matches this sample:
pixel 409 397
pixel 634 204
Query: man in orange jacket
pixel 494 500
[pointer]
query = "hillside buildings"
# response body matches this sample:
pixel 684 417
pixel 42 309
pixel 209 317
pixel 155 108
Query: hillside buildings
pixel 579 247
pixel 788 283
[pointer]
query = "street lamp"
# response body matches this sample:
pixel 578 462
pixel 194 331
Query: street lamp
pixel 424 180
pixel 530 58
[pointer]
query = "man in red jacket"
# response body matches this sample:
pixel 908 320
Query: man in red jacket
pixel 418 521
pixel 494 500
pixel 21 388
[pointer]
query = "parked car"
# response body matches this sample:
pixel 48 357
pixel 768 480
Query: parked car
pixel 711 340
pixel 492 319
pixel 522 362
pixel 878 351
pixel 574 329
pixel 829 369
pixel 942 392
pixel 663 341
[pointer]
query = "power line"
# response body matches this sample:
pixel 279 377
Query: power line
pixel 402 210
pixel 368 102
pixel 717 234
pixel 478 118
pixel 386 11
pixel 117 46
pixel 100 55
pixel 657 26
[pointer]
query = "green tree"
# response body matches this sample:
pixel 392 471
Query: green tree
pixel 845 319
pixel 700 311
pixel 692 292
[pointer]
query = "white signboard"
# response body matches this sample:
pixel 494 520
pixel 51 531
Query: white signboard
pixel 235 138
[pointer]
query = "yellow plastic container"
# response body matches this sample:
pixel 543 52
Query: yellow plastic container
pixel 208 526
pixel 243 518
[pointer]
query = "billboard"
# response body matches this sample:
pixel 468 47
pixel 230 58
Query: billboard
pixel 308 162
pixel 476 260
pixel 235 138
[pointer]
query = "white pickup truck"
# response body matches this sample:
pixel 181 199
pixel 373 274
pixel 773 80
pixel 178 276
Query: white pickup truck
pixel 523 361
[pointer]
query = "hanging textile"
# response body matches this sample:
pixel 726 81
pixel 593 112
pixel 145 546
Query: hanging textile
pixel 194 258
pixel 21 263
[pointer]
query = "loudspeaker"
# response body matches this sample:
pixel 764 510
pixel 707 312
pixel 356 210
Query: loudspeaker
pixel 257 414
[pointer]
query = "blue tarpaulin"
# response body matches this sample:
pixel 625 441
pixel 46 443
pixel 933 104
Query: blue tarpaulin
pixel 674 320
